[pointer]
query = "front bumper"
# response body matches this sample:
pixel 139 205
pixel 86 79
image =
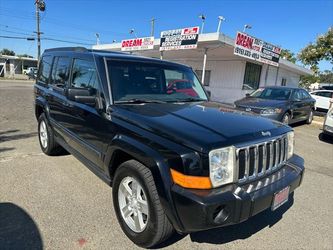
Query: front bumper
pixel 199 210
pixel 328 130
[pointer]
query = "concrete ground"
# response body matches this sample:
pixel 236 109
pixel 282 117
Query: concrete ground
pixel 57 203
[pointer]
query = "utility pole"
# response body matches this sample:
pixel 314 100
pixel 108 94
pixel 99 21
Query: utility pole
pixel 152 26
pixel 40 6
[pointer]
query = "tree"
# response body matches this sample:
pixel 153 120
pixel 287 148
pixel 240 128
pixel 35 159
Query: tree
pixel 322 49
pixel 288 55
pixel 25 55
pixel 7 52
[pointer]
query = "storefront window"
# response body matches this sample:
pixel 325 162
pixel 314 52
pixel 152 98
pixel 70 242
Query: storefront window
pixel 251 76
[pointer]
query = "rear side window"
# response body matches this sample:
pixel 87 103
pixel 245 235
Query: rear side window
pixel 44 69
pixel 84 75
pixel 60 71
pixel 305 95
pixel 324 94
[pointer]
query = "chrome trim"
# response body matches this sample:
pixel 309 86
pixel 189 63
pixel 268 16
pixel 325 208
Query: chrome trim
pixel 278 157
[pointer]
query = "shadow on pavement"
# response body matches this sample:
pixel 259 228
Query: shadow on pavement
pixel 5 135
pixel 17 229
pixel 6 149
pixel 325 138
pixel 243 230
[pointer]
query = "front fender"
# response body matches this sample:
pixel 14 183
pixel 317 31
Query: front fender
pixel 158 166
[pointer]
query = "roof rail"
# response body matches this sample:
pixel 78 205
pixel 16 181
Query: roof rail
pixel 83 49
pixel 67 49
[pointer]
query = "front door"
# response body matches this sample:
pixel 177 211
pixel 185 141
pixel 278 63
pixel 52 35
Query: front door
pixel 91 129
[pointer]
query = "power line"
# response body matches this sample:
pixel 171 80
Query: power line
pixel 19 37
pixel 64 41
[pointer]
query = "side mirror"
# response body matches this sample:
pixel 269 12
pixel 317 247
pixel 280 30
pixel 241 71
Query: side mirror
pixel 81 95
pixel 247 94
pixel 209 93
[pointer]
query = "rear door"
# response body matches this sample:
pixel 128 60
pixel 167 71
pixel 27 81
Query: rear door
pixel 322 99
pixel 297 105
pixel 57 100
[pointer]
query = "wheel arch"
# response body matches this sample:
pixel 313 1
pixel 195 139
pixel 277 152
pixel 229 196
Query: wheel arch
pixel 124 148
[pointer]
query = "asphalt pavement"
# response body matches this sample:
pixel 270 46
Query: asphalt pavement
pixel 57 203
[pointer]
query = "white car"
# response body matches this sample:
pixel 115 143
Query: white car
pixel 323 98
pixel 328 123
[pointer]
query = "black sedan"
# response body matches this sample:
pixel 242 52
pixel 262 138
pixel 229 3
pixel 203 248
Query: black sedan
pixel 284 104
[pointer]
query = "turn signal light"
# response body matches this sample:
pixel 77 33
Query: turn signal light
pixel 188 181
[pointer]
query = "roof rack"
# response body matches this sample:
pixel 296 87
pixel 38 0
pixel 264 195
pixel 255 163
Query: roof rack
pixel 82 49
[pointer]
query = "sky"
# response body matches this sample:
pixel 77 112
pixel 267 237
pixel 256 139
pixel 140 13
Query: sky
pixel 290 24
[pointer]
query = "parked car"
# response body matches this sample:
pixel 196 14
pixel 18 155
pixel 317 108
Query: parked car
pixel 31 70
pixel 32 74
pixel 175 162
pixel 323 98
pixel 328 123
pixel 181 86
pixel 284 104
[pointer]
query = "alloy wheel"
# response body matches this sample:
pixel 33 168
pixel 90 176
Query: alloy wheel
pixel 133 204
pixel 43 134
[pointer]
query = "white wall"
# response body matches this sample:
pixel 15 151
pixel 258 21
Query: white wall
pixel 226 80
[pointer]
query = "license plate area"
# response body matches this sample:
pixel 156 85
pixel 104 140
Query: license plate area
pixel 280 198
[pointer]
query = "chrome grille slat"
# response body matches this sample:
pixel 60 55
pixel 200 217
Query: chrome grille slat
pixel 256 161
pixel 247 163
pixel 264 158
pixel 260 158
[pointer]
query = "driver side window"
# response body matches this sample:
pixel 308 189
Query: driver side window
pixel 85 75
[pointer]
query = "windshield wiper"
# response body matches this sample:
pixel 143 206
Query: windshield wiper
pixel 190 100
pixel 138 101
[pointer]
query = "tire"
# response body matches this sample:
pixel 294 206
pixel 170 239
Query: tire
pixel 155 226
pixel 286 119
pixel 46 138
pixel 310 117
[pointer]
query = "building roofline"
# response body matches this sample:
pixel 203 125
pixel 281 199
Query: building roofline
pixel 18 58
pixel 218 38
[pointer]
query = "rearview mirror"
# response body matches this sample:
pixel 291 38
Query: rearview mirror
pixel 81 95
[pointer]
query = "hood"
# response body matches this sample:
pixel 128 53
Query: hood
pixel 201 126
pixel 260 103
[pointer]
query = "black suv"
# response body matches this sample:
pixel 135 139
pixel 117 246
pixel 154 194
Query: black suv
pixel 175 160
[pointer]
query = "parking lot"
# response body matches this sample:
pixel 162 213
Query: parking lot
pixel 57 203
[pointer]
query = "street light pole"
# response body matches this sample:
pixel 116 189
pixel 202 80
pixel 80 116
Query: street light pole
pixel 203 18
pixel 152 26
pixel 221 18
pixel 246 26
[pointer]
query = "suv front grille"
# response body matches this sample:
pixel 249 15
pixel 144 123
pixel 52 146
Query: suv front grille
pixel 259 159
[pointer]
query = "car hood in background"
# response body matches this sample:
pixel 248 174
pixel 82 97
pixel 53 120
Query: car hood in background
pixel 260 103
pixel 201 125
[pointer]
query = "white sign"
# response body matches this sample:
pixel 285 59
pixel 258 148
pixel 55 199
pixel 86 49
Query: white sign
pixel 186 38
pixel 143 43
pixel 253 48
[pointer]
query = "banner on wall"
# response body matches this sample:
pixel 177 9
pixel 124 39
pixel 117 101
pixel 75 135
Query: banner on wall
pixel 143 43
pixel 256 49
pixel 186 38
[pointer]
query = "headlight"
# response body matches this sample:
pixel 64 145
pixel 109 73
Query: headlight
pixel 291 143
pixel 221 166
pixel 271 111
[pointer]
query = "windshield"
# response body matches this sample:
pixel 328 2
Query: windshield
pixel 151 82
pixel 272 93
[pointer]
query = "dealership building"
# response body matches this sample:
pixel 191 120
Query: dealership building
pixel 15 65
pixel 227 75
